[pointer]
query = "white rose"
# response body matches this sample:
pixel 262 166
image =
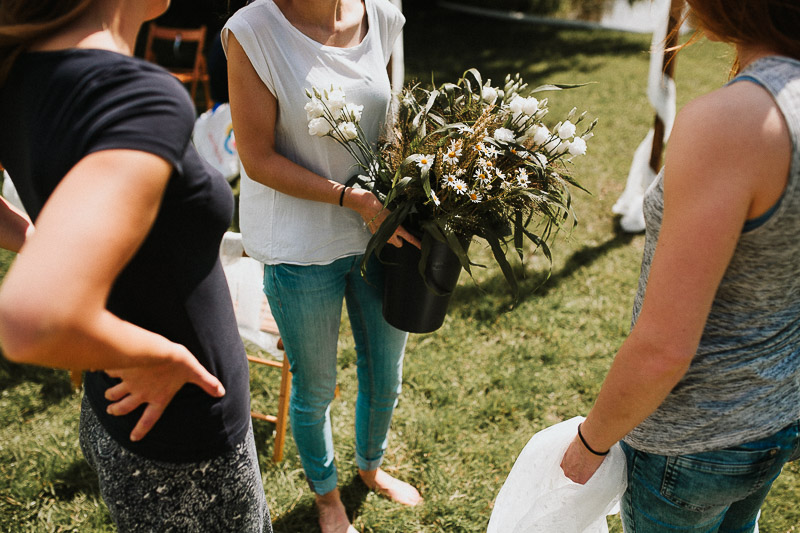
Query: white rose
pixel 540 134
pixel 530 105
pixel 516 106
pixel 551 145
pixel 489 94
pixel 566 130
pixel 318 127
pixel 352 112
pixel 577 146
pixel 504 134
pixel 335 100
pixel 314 109
pixel 348 131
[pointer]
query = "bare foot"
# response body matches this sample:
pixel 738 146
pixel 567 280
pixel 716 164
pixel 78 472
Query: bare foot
pixel 391 487
pixel 332 515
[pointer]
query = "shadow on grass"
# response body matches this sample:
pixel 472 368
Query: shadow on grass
pixel 538 52
pixel 303 518
pixel 470 299
pixel 76 478
pixel 55 382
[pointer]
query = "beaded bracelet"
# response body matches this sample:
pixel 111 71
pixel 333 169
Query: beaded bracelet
pixel 587 444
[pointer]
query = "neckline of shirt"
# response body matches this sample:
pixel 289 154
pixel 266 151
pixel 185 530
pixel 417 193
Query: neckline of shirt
pixel 338 49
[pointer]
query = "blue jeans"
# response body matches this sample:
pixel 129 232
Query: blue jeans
pixel 306 302
pixel 716 491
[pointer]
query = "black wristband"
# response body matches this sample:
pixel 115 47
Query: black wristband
pixel 587 445
pixel 341 196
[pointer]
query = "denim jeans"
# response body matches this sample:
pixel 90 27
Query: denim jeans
pixel 306 302
pixel 715 491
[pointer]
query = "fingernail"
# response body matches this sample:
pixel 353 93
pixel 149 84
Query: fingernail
pixel 134 438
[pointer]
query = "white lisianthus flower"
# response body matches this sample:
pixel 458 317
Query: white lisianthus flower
pixel 552 144
pixel 540 134
pixel 504 135
pixel 425 162
pixel 319 127
pixel 516 105
pixel 335 100
pixel 577 146
pixel 352 112
pixel 530 105
pixel 566 130
pixel 314 109
pixel 489 94
pixel 540 158
pixel 563 147
pixel 348 131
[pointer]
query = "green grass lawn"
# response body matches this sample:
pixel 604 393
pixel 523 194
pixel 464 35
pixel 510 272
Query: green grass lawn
pixel 478 388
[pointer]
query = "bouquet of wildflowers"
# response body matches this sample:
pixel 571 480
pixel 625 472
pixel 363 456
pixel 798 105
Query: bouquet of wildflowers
pixel 463 159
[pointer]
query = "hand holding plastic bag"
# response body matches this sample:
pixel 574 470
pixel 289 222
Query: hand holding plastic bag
pixel 538 497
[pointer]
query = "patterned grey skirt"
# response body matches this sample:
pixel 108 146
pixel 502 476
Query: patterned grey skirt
pixel 223 494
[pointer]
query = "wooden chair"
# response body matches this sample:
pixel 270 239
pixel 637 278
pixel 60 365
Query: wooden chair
pixel 280 419
pixel 177 58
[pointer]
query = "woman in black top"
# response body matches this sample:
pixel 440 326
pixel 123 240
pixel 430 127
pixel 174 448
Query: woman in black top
pixel 121 276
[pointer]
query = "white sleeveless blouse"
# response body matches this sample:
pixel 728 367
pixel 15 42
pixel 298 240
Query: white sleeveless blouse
pixel 278 228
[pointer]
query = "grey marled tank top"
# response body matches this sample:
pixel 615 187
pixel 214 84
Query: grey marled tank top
pixel 744 382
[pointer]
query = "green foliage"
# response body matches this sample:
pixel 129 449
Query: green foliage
pixel 475 390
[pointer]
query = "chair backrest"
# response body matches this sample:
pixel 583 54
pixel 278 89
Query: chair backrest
pixel 175 48
pixel 180 51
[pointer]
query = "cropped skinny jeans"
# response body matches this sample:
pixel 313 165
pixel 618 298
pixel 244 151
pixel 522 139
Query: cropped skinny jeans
pixel 306 302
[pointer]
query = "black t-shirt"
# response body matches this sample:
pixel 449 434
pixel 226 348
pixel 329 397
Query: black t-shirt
pixel 56 108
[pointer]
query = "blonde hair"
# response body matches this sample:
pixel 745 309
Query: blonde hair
pixel 23 22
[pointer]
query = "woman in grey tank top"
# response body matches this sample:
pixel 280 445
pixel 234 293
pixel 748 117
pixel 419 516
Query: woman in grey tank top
pixel 705 392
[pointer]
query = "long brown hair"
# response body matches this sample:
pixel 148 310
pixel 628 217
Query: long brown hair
pixel 22 22
pixel 771 23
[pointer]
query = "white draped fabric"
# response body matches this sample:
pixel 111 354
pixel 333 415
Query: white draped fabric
pixel 661 94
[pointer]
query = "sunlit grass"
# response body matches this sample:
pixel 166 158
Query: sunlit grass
pixel 478 388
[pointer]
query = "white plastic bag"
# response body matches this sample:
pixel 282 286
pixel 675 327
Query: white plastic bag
pixel 245 278
pixel 538 497
pixel 213 137
pixel 10 192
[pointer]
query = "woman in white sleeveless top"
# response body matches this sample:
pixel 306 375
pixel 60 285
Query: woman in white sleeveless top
pixel 309 230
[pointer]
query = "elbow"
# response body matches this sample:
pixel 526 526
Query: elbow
pixel 671 362
pixel 27 334
pixel 261 167
pixel 666 358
